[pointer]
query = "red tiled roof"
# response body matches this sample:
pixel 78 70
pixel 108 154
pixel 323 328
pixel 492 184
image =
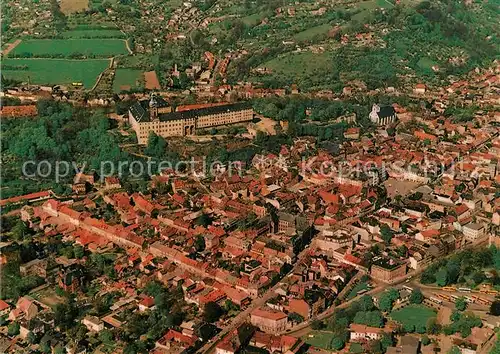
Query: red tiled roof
pixel 271 315
pixel 18 111
pixel 180 338
pixel 213 296
pixel 430 233
pixel 350 258
pixel 299 306
pixel 358 328
pixel 31 196
pixel 3 305
pixel 147 302
pixel 462 208
pixel 190 107
pixel 329 198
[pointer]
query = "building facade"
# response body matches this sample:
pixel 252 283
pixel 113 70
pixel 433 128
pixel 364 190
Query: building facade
pixel 156 116
pixel 269 321
pixel 362 332
pixel 388 273
pixel 473 231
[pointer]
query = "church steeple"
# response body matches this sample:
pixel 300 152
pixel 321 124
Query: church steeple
pixel 153 108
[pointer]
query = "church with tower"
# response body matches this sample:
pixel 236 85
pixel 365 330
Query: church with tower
pixel 383 115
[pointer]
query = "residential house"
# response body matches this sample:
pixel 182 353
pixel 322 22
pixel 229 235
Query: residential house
pixel 362 332
pixel 25 307
pixel 269 321
pixel 93 323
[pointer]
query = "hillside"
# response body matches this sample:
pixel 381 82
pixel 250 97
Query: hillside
pixel 316 45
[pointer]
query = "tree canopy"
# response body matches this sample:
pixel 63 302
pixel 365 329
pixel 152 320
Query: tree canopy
pixel 212 312
pixel 387 299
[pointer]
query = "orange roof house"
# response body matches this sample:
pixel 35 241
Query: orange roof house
pixel 300 307
pixel 420 134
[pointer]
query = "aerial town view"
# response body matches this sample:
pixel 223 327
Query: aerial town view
pixel 250 176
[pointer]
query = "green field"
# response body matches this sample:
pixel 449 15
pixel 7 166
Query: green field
pixel 312 32
pixel 426 64
pixel 303 68
pixel 128 77
pixel 95 33
pixel 69 47
pixel 54 71
pixel 254 19
pixel 367 7
pixel 416 315
pixel 320 339
pixel 291 63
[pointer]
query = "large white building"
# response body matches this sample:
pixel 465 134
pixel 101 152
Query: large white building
pixel 155 115
pixel 473 231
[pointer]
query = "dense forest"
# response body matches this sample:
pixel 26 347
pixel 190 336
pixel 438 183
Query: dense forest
pixel 60 133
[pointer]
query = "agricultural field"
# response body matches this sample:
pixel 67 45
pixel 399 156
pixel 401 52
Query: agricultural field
pixel 93 33
pixel 138 61
pixel 54 71
pixel 69 47
pixel 413 315
pixel 72 6
pixel 128 79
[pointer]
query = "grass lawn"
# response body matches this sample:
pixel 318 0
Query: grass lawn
pixel 356 348
pixel 320 339
pixel 358 287
pixel 367 7
pixel 312 32
pixel 66 47
pixel 49 297
pixel 386 4
pixel 95 33
pixel 54 71
pixel 416 315
pixel 128 77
